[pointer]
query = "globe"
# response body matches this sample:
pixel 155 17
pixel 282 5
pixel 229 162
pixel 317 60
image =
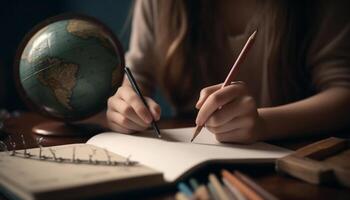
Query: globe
pixel 68 66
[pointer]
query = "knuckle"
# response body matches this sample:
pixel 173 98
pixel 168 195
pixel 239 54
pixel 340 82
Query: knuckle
pixel 249 100
pixel 126 110
pixel 240 88
pixel 216 99
pixel 140 109
pixel 239 84
pixel 214 121
pixel 204 92
pixel 123 120
pixel 133 99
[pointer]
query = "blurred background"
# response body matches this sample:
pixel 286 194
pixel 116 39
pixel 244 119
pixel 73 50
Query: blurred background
pixel 19 16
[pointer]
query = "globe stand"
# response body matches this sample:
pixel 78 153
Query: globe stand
pixel 54 128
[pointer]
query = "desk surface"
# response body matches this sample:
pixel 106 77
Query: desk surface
pixel 282 186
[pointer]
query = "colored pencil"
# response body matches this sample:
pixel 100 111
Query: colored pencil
pixel 194 183
pixel 213 192
pixel 218 187
pixel 266 195
pixel 202 193
pixel 236 193
pixel 242 187
pixel 184 189
pixel 181 196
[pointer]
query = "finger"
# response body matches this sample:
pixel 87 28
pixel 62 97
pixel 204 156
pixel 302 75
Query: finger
pixel 224 115
pixel 235 123
pixel 242 136
pixel 123 121
pixel 237 108
pixel 128 95
pixel 117 128
pixel 218 99
pixel 154 108
pixel 120 106
pixel 205 93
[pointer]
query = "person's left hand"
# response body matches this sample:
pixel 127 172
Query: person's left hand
pixel 230 113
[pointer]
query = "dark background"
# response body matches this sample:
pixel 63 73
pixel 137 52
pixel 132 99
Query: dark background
pixel 19 16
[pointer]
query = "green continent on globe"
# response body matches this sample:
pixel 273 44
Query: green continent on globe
pixel 60 77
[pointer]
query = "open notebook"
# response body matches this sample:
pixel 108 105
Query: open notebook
pixel 161 161
pixel 174 154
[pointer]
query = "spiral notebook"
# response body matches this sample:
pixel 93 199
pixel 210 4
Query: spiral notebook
pixel 161 161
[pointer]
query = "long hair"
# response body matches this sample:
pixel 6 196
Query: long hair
pixel 191 39
pixel 193 36
pixel 285 24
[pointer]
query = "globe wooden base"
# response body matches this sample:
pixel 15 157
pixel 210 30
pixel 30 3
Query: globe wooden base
pixel 65 129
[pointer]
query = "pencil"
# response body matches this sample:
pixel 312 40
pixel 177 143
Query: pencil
pixel 213 192
pixel 202 193
pixel 235 193
pixel 181 196
pixel 242 187
pixel 194 183
pixel 218 187
pixel 262 192
pixel 138 92
pixel 185 189
pixel 233 72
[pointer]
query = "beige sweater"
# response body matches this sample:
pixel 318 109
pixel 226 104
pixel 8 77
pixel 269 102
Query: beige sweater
pixel 328 58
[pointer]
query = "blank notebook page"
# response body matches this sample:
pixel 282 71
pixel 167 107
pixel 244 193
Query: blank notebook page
pixel 173 154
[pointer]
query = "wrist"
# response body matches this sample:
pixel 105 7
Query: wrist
pixel 262 130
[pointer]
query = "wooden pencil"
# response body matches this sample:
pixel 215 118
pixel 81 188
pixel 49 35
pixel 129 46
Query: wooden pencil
pixel 181 196
pixel 266 195
pixel 246 190
pixel 212 191
pixel 185 189
pixel 236 193
pixel 194 184
pixel 202 193
pixel 218 187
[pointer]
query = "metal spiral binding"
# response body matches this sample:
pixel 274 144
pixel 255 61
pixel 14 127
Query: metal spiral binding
pixel 25 154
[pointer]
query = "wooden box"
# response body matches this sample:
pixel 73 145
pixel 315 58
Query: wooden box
pixel 323 162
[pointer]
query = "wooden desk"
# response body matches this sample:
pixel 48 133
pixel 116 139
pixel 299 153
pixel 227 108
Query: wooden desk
pixel 284 187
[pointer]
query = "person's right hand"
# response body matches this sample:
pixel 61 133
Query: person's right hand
pixel 127 114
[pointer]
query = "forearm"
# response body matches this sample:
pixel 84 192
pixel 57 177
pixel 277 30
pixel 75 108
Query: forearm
pixel 324 112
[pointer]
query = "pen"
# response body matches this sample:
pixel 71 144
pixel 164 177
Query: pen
pixel 138 92
pixel 233 72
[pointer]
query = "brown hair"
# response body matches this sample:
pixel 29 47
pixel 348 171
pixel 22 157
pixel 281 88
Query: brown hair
pixel 285 25
pixel 192 38
pixel 193 34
